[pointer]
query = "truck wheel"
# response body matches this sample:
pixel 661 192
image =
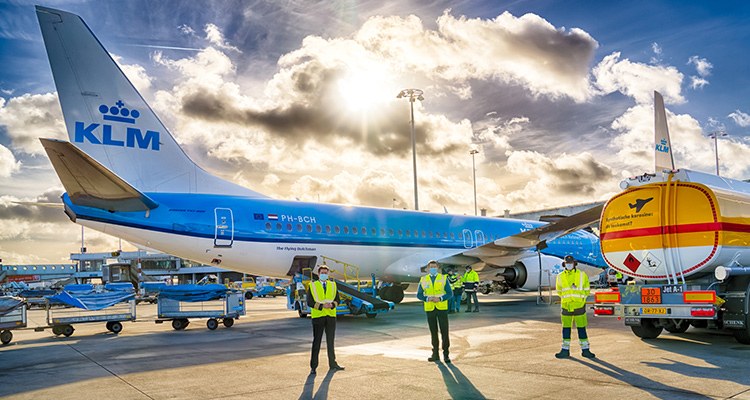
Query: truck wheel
pixel 372 315
pixel 6 336
pixel 647 329
pixel 177 324
pixel 681 327
pixel 115 327
pixel 109 325
pixel 228 322
pixel 301 314
pixel 248 295
pixel 67 330
pixel 212 323
pixel 57 330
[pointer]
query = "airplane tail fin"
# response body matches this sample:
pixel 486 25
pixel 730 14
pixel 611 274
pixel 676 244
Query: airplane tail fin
pixel 90 184
pixel 108 119
pixel 663 158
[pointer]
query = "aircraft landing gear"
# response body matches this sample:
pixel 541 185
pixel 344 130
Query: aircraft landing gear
pixel 394 293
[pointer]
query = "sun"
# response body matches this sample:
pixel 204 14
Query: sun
pixel 366 89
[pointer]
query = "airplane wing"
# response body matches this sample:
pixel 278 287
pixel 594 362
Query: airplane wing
pixel 89 183
pixel 524 241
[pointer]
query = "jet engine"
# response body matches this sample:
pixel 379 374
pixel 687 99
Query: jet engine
pixel 524 274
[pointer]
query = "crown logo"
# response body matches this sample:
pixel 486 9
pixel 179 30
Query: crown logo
pixel 119 113
pixel 664 141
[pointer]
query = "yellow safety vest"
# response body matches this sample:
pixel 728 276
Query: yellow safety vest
pixel 320 297
pixel 471 276
pixel 458 284
pixel 573 289
pixel 434 290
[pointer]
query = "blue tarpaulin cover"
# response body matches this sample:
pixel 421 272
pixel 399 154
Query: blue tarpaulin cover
pixel 193 293
pixel 92 301
pixel 121 286
pixel 9 303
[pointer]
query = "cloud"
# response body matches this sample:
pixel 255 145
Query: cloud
pixel 656 58
pixel 526 50
pixel 740 118
pixel 215 37
pixel 638 80
pixel 28 117
pixel 8 163
pixel 135 73
pixel 703 67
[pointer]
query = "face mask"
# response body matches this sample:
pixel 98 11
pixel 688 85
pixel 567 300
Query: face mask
pixel 433 271
pixel 569 266
pixel 323 277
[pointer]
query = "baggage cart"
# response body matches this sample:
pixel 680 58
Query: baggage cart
pixel 61 320
pixel 225 310
pixel 15 319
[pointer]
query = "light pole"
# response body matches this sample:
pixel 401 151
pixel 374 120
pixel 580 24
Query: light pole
pixel 413 94
pixel 715 136
pixel 474 172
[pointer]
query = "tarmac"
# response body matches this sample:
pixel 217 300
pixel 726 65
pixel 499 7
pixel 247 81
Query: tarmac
pixel 506 351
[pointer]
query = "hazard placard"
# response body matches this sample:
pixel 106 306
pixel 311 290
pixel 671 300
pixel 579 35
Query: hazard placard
pixel 631 262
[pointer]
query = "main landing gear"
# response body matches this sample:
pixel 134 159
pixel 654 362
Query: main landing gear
pixel 394 293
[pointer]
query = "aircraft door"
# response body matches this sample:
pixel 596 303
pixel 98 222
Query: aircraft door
pixel 468 239
pixel 479 238
pixel 224 233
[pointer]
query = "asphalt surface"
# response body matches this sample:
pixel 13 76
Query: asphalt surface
pixel 506 351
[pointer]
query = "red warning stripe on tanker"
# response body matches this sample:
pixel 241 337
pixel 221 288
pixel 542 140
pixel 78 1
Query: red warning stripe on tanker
pixel 672 229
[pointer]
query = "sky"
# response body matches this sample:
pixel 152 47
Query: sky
pixel 297 99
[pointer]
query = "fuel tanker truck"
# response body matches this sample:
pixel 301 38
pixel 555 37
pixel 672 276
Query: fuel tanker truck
pixel 683 237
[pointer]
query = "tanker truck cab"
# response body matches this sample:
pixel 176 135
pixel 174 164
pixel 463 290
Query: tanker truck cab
pixel 684 236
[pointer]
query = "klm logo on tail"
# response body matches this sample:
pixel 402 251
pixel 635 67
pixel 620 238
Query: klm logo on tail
pixel 662 146
pixel 133 137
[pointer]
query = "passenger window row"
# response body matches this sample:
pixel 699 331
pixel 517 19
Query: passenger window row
pixel 289 227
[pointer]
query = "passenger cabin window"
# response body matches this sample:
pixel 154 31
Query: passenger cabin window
pixel 346 230
pixel 337 229
pixel 278 226
pixel 400 232
pixel 355 230
pixel 328 228
pixel 318 228
pixel 268 226
pixel 374 231
pixel 299 227
pixel 289 227
pixel 382 232
pixel 309 228
pixel 390 232
pixel 408 233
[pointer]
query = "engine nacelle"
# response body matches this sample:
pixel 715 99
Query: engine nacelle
pixel 524 274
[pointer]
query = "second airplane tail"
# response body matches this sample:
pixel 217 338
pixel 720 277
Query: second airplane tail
pixel 107 118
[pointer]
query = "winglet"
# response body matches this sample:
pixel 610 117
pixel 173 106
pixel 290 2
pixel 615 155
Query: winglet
pixel 89 183
pixel 663 158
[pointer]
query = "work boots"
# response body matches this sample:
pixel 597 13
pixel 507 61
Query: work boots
pixel 564 353
pixel 587 353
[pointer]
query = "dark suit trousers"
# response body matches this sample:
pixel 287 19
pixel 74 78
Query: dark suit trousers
pixel 320 325
pixel 439 318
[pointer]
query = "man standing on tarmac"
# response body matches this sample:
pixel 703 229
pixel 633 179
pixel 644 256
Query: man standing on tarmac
pixel 471 283
pixel 573 288
pixel 435 292
pixel 323 302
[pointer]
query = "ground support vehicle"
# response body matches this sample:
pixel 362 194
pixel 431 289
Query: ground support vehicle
pixel 687 245
pixel 61 320
pixel 225 310
pixel 15 319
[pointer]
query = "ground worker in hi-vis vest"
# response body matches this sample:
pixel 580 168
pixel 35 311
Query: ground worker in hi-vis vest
pixel 573 288
pixel 323 302
pixel 435 291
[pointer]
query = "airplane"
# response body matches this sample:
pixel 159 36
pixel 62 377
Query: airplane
pixel 639 204
pixel 126 176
